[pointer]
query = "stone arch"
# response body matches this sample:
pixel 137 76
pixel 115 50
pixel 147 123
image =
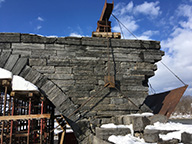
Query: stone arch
pixel 19 65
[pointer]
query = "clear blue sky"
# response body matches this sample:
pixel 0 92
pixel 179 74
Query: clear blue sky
pixel 168 21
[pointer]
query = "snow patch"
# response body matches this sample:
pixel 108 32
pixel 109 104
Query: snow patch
pixel 180 128
pixel 5 74
pixel 181 116
pixel 143 114
pixel 169 136
pixel 128 139
pixel 19 83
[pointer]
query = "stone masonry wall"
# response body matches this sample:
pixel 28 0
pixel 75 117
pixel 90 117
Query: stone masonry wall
pixel 69 70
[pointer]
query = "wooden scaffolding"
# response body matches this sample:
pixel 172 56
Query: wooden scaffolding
pixel 25 116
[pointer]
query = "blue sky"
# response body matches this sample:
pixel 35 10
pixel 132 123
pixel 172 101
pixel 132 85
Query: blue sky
pixel 167 21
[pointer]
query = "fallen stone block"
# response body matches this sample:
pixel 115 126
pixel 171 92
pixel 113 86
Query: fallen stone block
pixel 186 138
pixel 158 118
pixel 152 135
pixel 172 141
pixel 139 123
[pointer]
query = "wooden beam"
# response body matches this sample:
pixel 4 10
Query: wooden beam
pixel 24 117
pixel 115 35
pixel 62 137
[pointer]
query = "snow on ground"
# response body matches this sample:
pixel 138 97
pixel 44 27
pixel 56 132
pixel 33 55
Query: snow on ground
pixel 5 74
pixel 171 126
pixel 111 125
pixel 127 139
pixel 142 114
pixel 130 139
pixel 19 83
pixel 180 116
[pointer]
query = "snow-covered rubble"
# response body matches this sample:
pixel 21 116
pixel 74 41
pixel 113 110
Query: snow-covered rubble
pixel 181 116
pixel 18 83
pixel 127 139
pixel 180 128
pixel 130 139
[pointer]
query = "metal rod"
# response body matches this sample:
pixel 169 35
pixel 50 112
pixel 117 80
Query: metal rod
pixel 4 108
pixel 41 129
pixel 29 122
pixel 11 128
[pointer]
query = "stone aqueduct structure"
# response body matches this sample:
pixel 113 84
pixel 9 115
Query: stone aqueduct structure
pixel 69 70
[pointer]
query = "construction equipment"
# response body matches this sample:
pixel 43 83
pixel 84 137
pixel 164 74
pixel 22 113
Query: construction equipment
pixel 104 25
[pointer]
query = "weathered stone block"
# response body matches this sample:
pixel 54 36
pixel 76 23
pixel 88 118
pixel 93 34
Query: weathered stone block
pixel 58 62
pixel 172 141
pixel 20 64
pixel 63 83
pixel 65 104
pixel 41 81
pixel 37 62
pixel 30 74
pixel 66 54
pixel 28 46
pixel 65 70
pixel 104 133
pixel 127 119
pixel 69 40
pixel 118 101
pixel 23 53
pixel 60 76
pixel 48 87
pixel 158 118
pixel 59 98
pixel 186 138
pixel 5 45
pixel 3 58
pixel 94 41
pixel 139 123
pixel 9 37
pixel 151 136
pixel 97 140
pixel 54 46
pixel 43 53
pixel 44 69
pixel 32 38
pixel 11 62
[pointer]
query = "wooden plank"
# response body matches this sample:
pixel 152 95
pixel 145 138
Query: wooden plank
pixel 62 137
pixel 24 117
pixel 107 34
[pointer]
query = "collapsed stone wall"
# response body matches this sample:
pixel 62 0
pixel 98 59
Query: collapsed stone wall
pixel 69 70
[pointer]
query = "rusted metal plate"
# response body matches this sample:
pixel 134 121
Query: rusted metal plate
pixel 165 103
pixel 110 80
pixel 107 10
pixel 104 25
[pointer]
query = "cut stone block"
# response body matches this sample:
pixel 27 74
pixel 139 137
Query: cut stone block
pixel 11 62
pixel 186 138
pixel 139 123
pixel 105 133
pixel 9 37
pixel 20 64
pixel 158 118
pixel 152 135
